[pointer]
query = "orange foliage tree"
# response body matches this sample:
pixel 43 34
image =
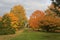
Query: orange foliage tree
pixel 40 21
pixel 13 20
pixel 19 12
pixel 35 18
pixel 53 14
pixel 49 23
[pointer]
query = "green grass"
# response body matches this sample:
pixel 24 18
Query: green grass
pixel 31 35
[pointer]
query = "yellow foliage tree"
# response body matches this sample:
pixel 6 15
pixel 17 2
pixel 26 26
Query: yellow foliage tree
pixel 12 19
pixel 19 12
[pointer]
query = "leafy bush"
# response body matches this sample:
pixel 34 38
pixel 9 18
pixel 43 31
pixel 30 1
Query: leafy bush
pixel 6 31
pixel 5 26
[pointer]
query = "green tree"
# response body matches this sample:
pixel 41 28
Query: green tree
pixel 6 27
pixel 55 7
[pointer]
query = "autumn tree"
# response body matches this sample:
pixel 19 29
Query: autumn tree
pixel 6 27
pixel 13 20
pixel 53 13
pixel 49 23
pixel 45 22
pixel 19 12
pixel 35 18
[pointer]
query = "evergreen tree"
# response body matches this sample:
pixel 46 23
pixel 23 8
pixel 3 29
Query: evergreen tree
pixel 56 5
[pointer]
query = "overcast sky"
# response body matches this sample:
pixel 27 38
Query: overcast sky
pixel 29 5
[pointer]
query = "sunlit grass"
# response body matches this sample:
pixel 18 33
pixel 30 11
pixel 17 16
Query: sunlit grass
pixel 31 35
